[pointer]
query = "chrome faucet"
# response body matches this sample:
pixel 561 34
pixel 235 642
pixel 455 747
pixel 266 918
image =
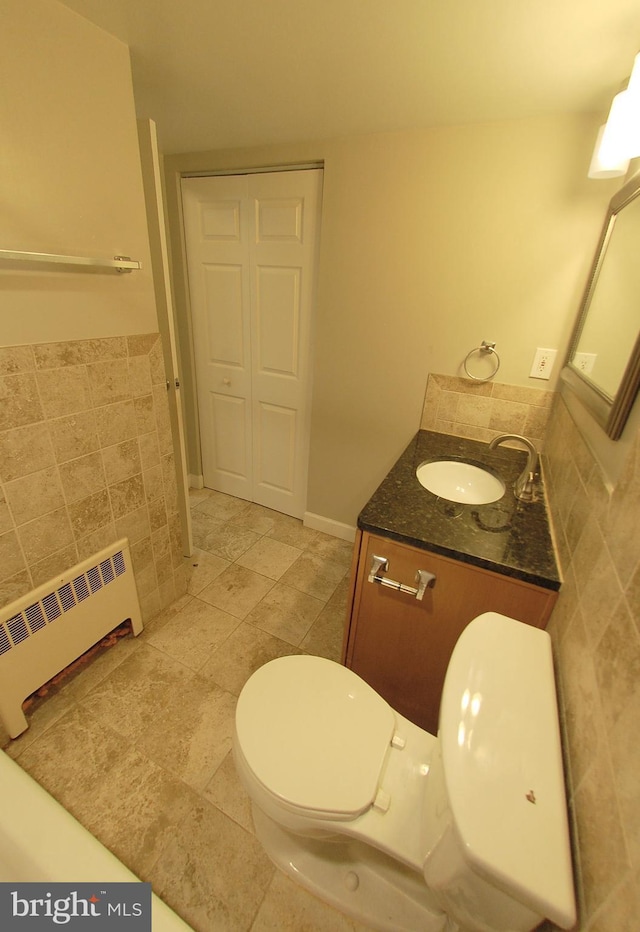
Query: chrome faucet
pixel 523 486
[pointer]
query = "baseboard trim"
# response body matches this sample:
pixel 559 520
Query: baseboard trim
pixel 195 482
pixel 329 526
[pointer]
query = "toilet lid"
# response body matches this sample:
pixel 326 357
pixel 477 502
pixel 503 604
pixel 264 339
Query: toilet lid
pixel 314 734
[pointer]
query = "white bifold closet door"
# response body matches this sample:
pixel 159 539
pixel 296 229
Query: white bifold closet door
pixel 252 244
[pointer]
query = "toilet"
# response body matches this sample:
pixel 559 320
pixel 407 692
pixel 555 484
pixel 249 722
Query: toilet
pixel 400 829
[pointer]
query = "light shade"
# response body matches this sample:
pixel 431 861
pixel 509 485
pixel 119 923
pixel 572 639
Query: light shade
pixel 633 110
pixel 619 139
pixel 634 80
pixel 606 166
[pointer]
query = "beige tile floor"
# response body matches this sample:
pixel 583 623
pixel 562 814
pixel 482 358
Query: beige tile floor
pixel 138 746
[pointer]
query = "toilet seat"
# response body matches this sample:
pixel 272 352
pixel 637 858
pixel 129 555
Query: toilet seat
pixel 315 735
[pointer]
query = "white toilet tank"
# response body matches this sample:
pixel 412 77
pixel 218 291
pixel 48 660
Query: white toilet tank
pixel 496 816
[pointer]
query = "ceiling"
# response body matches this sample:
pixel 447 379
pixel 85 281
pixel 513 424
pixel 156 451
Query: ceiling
pixel 226 73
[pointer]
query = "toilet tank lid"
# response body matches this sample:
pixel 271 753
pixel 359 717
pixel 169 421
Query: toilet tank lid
pixel 315 734
pixel 502 763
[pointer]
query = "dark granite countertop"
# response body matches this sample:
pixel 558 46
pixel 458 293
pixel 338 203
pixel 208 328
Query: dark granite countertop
pixel 507 536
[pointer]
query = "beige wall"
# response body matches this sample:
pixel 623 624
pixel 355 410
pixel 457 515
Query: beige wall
pixel 431 242
pixel 85 447
pixel 71 180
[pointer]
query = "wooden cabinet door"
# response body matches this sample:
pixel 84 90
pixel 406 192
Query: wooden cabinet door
pixel 401 645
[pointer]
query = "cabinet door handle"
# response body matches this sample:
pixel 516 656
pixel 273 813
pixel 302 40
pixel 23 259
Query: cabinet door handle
pixel 424 579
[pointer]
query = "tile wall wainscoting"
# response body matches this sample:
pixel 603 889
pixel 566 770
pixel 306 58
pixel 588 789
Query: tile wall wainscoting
pixel 86 458
pixel 595 628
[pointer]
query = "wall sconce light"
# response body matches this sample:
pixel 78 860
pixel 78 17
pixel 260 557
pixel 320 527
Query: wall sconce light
pixel 603 165
pixel 619 139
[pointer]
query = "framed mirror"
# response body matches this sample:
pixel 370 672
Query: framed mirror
pixel 603 364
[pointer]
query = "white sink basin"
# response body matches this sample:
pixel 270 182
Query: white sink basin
pixel 460 482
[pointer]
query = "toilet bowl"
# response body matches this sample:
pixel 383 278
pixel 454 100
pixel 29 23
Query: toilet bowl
pixel 403 830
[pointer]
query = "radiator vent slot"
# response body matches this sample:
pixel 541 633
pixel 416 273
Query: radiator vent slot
pixel 18 629
pixel 67 598
pixel 95 582
pixel 51 607
pixel 35 616
pixel 49 628
pixel 81 588
pixel 108 574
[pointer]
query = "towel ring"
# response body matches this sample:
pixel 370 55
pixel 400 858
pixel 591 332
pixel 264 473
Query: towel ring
pixel 486 349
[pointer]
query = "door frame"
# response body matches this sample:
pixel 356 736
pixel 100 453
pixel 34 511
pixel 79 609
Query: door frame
pixel 158 242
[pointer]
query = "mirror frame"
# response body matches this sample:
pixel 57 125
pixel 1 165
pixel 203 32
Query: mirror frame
pixel 611 415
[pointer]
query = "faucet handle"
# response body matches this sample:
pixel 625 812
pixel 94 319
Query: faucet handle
pixel 524 487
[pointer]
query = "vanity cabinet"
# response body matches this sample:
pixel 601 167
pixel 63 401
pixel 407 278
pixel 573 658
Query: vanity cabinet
pixel 401 645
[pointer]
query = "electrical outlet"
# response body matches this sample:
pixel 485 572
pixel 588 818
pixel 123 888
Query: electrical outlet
pixel 585 361
pixel 543 363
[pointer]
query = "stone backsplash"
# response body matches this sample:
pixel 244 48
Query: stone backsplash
pixel 483 410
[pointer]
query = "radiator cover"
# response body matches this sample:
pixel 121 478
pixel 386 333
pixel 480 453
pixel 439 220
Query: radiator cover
pixel 44 631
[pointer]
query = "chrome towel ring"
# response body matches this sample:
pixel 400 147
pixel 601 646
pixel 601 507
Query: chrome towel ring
pixel 485 349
